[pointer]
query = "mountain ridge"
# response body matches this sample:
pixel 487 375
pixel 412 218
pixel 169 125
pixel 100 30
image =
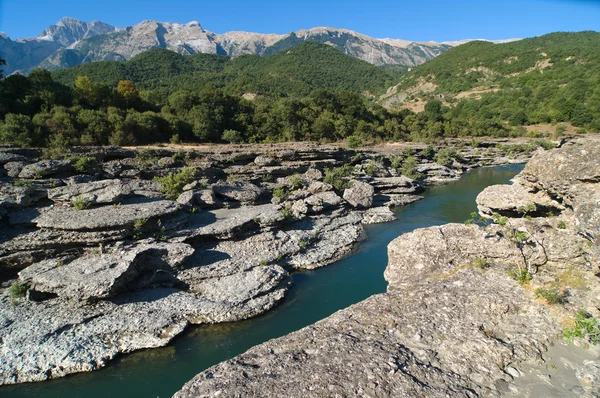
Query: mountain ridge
pixel 71 42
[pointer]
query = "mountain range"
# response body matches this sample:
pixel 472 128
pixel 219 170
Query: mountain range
pixel 71 42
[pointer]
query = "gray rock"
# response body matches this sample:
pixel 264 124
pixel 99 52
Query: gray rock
pixel 395 185
pixel 395 200
pixel 359 195
pixel 95 277
pixel 262 161
pixel 6 157
pixel 14 168
pixel 203 198
pixel 45 168
pixel 323 201
pixel 515 200
pixel 106 217
pixel 313 174
pixel 96 192
pixel 241 191
pixel 378 215
pixel 589 377
pixel 16 197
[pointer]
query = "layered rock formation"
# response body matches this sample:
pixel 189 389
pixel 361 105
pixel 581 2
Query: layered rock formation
pixel 96 261
pixel 453 322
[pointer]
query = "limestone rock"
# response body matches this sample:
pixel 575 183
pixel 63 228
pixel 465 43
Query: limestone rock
pixel 395 185
pixel 359 195
pixel 262 161
pixel 45 168
pixel 378 215
pixel 106 217
pixel 241 191
pixel 515 200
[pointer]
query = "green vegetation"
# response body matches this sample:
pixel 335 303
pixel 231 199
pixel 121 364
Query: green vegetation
pixel 547 79
pixel 80 203
pixel 82 163
pixel 521 275
pixel 562 224
pixel 172 184
pixel 138 226
pixel 409 168
pixel 281 193
pixel 296 182
pixel 17 290
pixel 337 177
pixel 480 263
pixel 552 294
pixel 584 327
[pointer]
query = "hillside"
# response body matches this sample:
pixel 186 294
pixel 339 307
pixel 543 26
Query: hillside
pixel 548 79
pixel 295 72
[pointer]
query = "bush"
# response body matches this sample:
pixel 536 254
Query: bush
pixel 232 136
pixel 409 168
pixel 445 156
pixel 336 176
pixel 354 141
pixel 552 295
pixel 172 184
pixel 521 275
pixel 296 182
pixel 281 193
pixel 82 163
pixel 17 290
pixel 562 225
pixel 584 327
pixel 80 203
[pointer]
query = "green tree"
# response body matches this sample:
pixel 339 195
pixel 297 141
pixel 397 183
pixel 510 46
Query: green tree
pixel 16 130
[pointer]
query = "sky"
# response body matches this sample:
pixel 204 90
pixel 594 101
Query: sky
pixel 415 20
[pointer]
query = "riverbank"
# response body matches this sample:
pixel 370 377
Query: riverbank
pixel 466 306
pixel 210 268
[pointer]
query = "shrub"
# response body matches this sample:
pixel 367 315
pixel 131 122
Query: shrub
pixel 80 203
pixel 82 163
pixel 409 168
pixel 232 136
pixel 281 193
pixel 17 290
pixel 445 156
pixel 480 263
pixel 354 141
pixel 172 184
pixel 584 327
pixel 562 225
pixel 371 168
pixel 500 220
pixel 521 275
pixel 552 295
pixel 336 176
pixel 296 182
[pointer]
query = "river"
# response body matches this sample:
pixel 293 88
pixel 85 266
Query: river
pixel 314 295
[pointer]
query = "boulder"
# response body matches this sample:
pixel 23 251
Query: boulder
pixel 359 195
pixel 6 157
pixel 94 277
pixel 263 161
pixel 45 168
pixel 14 168
pixel 96 192
pixel 313 174
pixel 515 200
pixel 378 215
pixel 240 191
pixel 395 185
pixel 323 201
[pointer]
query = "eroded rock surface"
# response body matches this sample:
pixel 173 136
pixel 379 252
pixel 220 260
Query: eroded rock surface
pixel 453 322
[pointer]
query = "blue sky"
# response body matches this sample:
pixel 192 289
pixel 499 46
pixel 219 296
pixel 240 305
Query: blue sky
pixel 421 20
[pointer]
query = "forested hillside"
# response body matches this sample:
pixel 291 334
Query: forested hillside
pixel 548 79
pixel 295 72
pixel 311 91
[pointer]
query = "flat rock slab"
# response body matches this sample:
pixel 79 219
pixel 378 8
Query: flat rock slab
pixel 241 191
pixel 378 215
pixel 95 277
pixel 104 191
pixel 224 224
pixel 45 168
pixel 106 217
pixel 515 199
pixel 54 338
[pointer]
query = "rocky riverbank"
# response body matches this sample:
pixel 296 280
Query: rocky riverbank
pixel 468 307
pixel 111 250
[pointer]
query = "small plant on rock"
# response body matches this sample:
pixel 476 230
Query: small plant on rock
pixel 172 184
pixel 584 327
pixel 480 263
pixel 336 176
pixel 17 290
pixel 521 275
pixel 281 193
pixel 562 225
pixel 82 163
pixel 552 294
pixel 138 226
pixel 296 182
pixel 80 203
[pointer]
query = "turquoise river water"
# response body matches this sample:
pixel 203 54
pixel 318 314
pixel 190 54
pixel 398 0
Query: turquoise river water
pixel 314 295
